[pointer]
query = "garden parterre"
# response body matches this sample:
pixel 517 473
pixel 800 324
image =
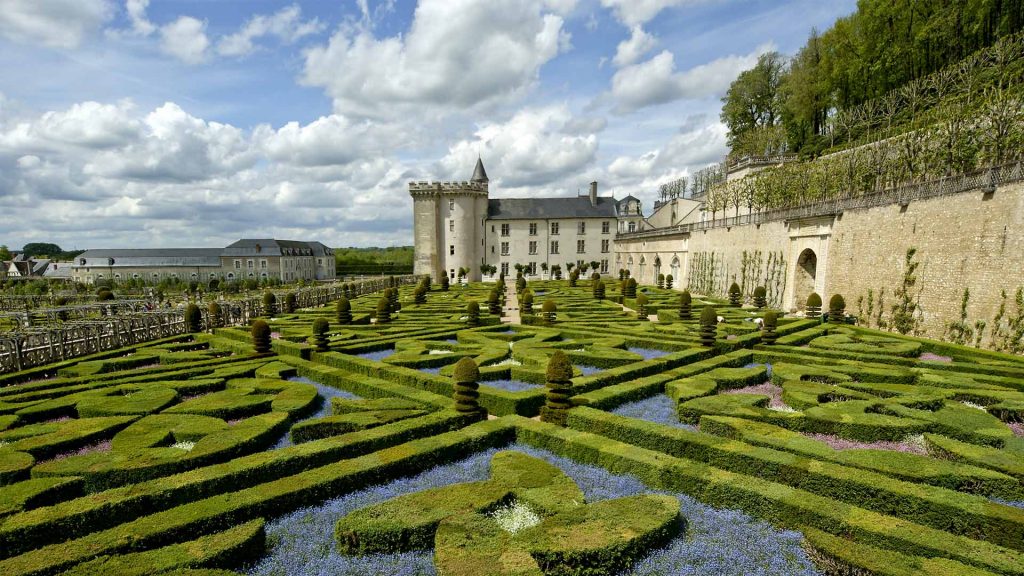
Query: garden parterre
pixel 176 455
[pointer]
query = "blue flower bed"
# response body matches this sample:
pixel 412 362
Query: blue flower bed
pixel 648 353
pixel 768 367
pixel 510 385
pixel 658 408
pixel 721 542
pixel 434 370
pixel 378 355
pixel 588 370
pixel 326 393
pixel 1015 504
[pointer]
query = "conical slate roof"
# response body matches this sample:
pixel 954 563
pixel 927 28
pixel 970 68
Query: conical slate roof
pixel 479 174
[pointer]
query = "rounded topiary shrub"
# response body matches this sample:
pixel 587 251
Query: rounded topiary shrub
pixel 708 326
pixel 685 304
pixel 193 318
pixel 344 311
pixel 420 295
pixel 599 290
pixel 269 304
pixel 836 309
pixel 526 302
pixel 595 276
pixel 661 280
pixel 289 302
pixel 668 281
pixel 444 283
pixel 104 294
pixel 320 328
pixel 629 288
pixel 734 295
pixel 466 393
pixel 494 302
pixel 392 294
pixel 520 284
pixel 472 313
pixel 641 305
pixel 383 310
pixel 813 307
pixel 760 297
pixel 261 336
pixel 559 383
pixel 574 276
pixel 550 310
pixel 768 325
pixel 216 315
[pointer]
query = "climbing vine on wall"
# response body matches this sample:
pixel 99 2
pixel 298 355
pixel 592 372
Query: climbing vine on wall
pixel 710 274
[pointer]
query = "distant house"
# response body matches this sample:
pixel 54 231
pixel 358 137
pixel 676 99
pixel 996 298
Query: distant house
pixel 22 266
pixel 257 259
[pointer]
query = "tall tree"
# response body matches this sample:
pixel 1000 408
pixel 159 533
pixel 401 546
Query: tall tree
pixel 752 103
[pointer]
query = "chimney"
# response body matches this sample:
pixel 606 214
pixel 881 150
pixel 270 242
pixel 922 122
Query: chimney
pixel 593 193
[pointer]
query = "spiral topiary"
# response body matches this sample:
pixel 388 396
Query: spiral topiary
pixel 641 304
pixel 550 310
pixel 661 280
pixel 269 304
pixel 472 313
pixel 708 326
pixel 320 328
pixel 813 307
pixel 836 309
pixel 261 336
pixel 771 320
pixel 383 310
pixel 598 290
pixel 629 288
pixel 760 297
pixel 216 315
pixel 685 305
pixel 444 283
pixel 193 319
pixel 466 388
pixel 526 303
pixel 668 282
pixel 493 302
pixel 344 311
pixel 559 383
pixel 289 302
pixel 734 295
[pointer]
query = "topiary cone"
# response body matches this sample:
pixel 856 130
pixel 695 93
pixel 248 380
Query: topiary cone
pixel 641 304
pixel 734 295
pixel 193 318
pixel 216 315
pixel 813 307
pixel 836 309
pixel 598 289
pixel 344 311
pixel 768 334
pixel 320 328
pixel 383 310
pixel 685 303
pixel 493 302
pixel 559 383
pixel 472 313
pixel 261 336
pixel 269 304
pixel 760 297
pixel 708 326
pixel 527 302
pixel 550 310
pixel 466 388
pixel 289 302
pixel 444 283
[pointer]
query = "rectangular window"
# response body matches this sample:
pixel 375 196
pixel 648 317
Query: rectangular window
pixel 451 204
pixel 580 246
pixel 604 246
pixel 581 227
pixel 238 265
pixel 533 268
pixel 451 250
pixel 263 264
pixel 504 268
pixel 554 246
pixel 605 227
pixel 451 225
pixel 504 248
pixel 492 248
pixel 533 247
pixel 554 228
pixel 604 266
pixel 632 226
pixel 505 229
pixel 533 228
pixel 248 264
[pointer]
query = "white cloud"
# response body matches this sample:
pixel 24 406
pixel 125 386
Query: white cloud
pixel 185 39
pixel 86 124
pixel 137 14
pixel 330 140
pixel 53 23
pixel 457 54
pixel 536 147
pixel 634 12
pixel 634 48
pixel 656 81
pixel 285 24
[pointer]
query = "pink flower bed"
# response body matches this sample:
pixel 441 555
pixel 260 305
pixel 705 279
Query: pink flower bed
pixel 103 446
pixel 838 443
pixel 275 335
pixel 1017 427
pixel 773 392
pixel 928 356
pixel 57 420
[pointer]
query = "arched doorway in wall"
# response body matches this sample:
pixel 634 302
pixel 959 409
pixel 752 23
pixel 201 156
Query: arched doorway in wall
pixel 803 279
pixel 657 268
pixel 674 271
pixel 640 274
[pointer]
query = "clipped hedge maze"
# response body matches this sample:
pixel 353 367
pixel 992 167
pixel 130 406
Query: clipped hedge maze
pixel 888 454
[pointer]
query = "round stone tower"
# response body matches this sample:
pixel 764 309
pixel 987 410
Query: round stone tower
pixel 449 225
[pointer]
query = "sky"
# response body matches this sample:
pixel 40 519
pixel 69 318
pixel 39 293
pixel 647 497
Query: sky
pixel 192 123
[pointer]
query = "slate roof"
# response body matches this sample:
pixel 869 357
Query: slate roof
pixel 541 208
pixel 162 257
pixel 268 247
pixel 479 174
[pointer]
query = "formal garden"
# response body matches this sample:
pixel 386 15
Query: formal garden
pixel 567 427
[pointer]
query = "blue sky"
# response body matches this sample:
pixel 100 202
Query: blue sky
pixel 195 122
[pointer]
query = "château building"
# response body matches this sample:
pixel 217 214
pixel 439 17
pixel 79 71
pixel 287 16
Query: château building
pixel 456 225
